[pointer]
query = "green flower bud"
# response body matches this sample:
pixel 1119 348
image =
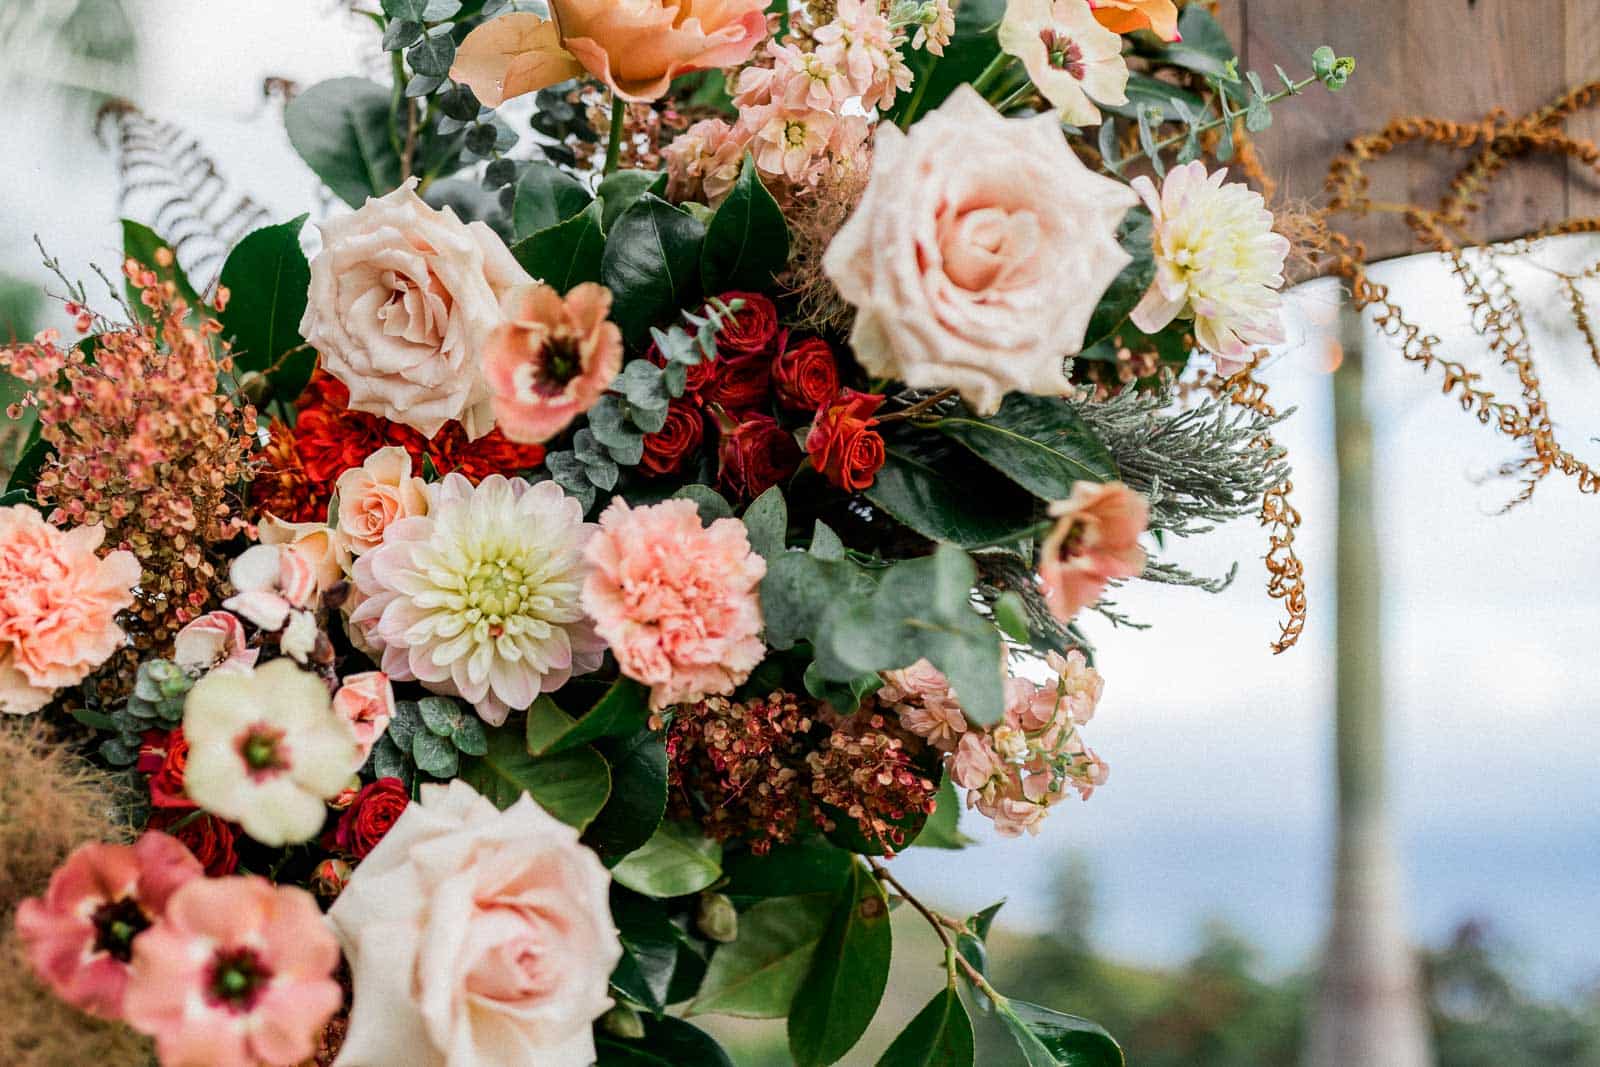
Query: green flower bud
pixel 717 918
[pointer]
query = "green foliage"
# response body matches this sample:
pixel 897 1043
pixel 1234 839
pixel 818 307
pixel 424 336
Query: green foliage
pixel 943 828
pixel 156 703
pixel 341 129
pixel 766 521
pixel 545 197
pixel 1040 443
pixel 141 243
pixel 651 263
pixel 638 794
pixel 757 976
pixel 939 1036
pixel 651 943
pixel 1054 1039
pixel 620 712
pixel 840 993
pixel 747 240
pixel 621 189
pixel 267 278
pixel 807 865
pixel 572 785
pixel 972 48
pixel 1134 234
pixel 677 860
pixel 667 1042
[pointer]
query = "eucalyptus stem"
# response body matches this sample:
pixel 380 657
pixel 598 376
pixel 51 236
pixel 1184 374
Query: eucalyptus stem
pixel 1292 89
pixel 991 74
pixel 619 123
pixel 1023 91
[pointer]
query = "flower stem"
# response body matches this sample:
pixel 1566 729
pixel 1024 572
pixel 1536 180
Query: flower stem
pixel 1168 142
pixel 991 74
pixel 919 407
pixel 619 122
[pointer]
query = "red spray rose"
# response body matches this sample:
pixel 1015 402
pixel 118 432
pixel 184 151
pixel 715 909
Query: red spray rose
pixel 739 383
pixel 211 839
pixel 843 444
pixel 163 756
pixel 669 448
pixel 805 375
pixel 375 810
pixel 755 455
pixel 751 329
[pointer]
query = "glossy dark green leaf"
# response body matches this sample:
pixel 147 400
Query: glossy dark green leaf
pixel 620 189
pixel 1203 44
pixel 652 264
pixel 943 828
pixel 808 865
pixel 747 241
pixel 546 196
pixel 572 786
pixel 1053 1039
pixel 667 1042
pixel 677 860
pixel 25 475
pixel 1129 286
pixel 650 944
pixel 840 993
pixel 621 711
pixel 567 253
pixel 1041 443
pixel 141 243
pixel 267 278
pixel 922 493
pixel 638 794
pixel 341 129
pixel 940 1035
pixel 757 975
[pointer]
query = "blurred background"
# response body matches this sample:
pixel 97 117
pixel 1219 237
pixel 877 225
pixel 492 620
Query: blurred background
pixel 1185 905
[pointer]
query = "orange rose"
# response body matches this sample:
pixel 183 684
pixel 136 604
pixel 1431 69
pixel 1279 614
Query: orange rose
pixel 637 47
pixel 1125 16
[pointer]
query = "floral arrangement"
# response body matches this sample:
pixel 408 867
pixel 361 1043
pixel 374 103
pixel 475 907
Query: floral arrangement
pixel 537 617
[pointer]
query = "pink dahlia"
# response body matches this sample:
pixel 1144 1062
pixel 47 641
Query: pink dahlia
pixel 676 601
pixel 81 934
pixel 479 598
pixel 58 606
pixel 239 971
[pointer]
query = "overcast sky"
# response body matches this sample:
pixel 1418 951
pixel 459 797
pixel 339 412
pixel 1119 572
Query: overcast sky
pixel 1219 801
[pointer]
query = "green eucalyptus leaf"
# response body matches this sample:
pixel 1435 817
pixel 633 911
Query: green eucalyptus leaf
pixel 747 240
pixel 799 587
pixel 267 278
pixel 756 977
pixel 677 860
pixel 712 504
pixel 572 786
pixel 940 1035
pixel 766 521
pixel 840 993
pixel 341 129
pixel 434 754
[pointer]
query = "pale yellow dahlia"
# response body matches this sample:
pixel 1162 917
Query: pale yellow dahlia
pixel 479 598
pixel 1218 261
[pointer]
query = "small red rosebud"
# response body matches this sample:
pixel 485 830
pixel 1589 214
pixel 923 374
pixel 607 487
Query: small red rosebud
pixel 805 375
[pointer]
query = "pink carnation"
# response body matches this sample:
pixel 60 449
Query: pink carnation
pixel 675 601
pixel 239 971
pixel 81 934
pixel 58 606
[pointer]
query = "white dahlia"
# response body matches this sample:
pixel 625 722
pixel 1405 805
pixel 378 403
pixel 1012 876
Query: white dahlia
pixel 1217 261
pixel 479 598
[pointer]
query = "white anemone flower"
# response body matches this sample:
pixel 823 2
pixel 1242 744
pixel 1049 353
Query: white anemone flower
pixel 1218 261
pixel 480 597
pixel 1071 58
pixel 266 750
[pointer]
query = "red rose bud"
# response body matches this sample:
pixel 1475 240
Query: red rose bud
pixel 208 837
pixel 669 448
pixel 749 330
pixel 375 810
pixel 330 877
pixel 805 375
pixel 843 444
pixel 163 756
pixel 755 455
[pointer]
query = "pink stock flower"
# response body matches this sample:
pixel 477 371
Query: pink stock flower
pixel 1095 540
pixel 921 693
pixel 366 702
pixel 213 641
pixel 551 360
pixel 58 606
pixel 1080 685
pixel 703 161
pixel 676 602
pixel 239 972
pixel 377 494
pixel 99 906
pixel 975 763
pixel 861 43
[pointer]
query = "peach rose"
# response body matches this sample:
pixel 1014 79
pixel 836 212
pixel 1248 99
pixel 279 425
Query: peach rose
pixel 402 299
pixel 551 360
pixel 637 47
pixel 476 936
pixel 58 606
pixel 316 543
pixel 1095 539
pixel 978 253
pixel 379 492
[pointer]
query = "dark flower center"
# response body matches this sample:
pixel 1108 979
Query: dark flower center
pixel 261 747
pixel 1072 544
pixel 116 924
pixel 562 361
pixel 1065 53
pixel 237 978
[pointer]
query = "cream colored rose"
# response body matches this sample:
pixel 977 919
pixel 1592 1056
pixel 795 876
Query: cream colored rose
pixel 402 298
pixel 318 544
pixel 379 492
pixel 978 253
pixel 476 938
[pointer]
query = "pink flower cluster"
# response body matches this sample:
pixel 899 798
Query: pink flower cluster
pixel 804 110
pixel 218 970
pixel 1016 770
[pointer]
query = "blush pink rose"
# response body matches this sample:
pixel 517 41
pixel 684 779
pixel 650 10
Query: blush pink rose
pixel 239 971
pixel 213 641
pixel 317 543
pixel 978 253
pixel 81 934
pixel 637 47
pixel 376 494
pixel 403 297
pixel 1095 541
pixel 551 360
pixel 675 601
pixel 476 936
pixel 58 606
pixel 366 702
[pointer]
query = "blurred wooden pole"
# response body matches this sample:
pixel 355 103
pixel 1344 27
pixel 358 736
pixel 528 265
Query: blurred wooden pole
pixel 1369 1007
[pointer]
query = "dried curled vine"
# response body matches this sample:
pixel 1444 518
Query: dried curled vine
pixel 167 176
pixel 1499 140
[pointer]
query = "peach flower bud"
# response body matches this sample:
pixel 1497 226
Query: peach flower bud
pixel 366 701
pixel 1095 540
pixel 377 494
pixel 551 360
pixel 317 544
pixel 329 877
